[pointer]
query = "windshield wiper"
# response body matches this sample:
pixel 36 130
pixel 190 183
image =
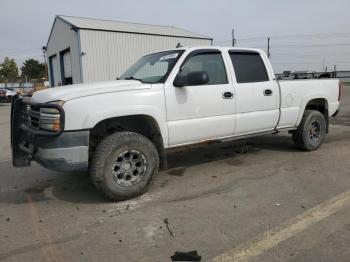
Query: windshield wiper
pixel 133 78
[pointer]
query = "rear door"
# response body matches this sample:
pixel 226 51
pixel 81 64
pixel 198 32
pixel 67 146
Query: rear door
pixel 200 112
pixel 256 93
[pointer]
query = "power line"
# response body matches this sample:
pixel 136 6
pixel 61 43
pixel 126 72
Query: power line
pixel 333 35
pixel 263 38
pixel 310 45
pixel 24 56
pixel 279 46
pixel 19 51
pixel 309 63
pixel 224 41
pixel 301 46
pixel 320 54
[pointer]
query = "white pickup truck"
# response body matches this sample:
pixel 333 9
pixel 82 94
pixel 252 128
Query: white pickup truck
pixel 120 130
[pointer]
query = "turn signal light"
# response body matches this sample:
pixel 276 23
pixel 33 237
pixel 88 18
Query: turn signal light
pixel 53 125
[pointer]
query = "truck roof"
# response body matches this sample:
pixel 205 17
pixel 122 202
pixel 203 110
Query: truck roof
pixel 222 48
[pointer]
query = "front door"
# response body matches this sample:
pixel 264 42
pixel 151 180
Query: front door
pixel 201 112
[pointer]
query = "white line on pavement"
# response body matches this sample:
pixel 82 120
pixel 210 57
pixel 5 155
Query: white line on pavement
pixel 269 239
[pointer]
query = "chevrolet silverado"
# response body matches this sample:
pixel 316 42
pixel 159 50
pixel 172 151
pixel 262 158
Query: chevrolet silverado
pixel 120 130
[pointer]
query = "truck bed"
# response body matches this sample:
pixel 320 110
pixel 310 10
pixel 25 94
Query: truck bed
pixel 295 94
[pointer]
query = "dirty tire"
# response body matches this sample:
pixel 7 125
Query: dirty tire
pixel 311 131
pixel 108 153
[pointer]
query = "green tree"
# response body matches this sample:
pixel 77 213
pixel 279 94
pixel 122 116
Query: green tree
pixel 8 70
pixel 33 69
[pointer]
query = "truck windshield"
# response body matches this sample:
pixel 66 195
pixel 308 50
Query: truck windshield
pixel 153 68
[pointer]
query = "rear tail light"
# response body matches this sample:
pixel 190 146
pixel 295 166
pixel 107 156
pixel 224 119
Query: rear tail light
pixel 340 90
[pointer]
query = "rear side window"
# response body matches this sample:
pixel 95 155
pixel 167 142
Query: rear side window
pixel 249 67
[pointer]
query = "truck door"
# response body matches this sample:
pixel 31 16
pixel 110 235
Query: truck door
pixel 200 112
pixel 257 97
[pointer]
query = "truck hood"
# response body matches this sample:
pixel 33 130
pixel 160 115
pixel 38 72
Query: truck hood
pixel 69 92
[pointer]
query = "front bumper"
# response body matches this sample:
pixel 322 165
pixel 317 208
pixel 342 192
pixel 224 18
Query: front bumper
pixel 59 151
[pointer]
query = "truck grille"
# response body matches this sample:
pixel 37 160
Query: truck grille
pixel 34 117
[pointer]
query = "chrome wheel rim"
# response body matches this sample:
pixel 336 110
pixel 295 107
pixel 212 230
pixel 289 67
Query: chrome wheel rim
pixel 315 131
pixel 129 168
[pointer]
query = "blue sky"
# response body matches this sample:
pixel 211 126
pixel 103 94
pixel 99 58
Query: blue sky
pixel 25 25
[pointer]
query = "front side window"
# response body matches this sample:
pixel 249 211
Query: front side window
pixel 249 67
pixel 211 63
pixel 153 68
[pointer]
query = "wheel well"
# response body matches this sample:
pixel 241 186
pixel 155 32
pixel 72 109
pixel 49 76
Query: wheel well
pixel 142 124
pixel 321 105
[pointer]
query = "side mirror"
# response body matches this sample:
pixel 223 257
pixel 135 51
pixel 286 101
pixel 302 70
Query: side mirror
pixel 192 79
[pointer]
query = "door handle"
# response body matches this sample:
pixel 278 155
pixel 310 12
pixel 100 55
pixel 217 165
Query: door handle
pixel 227 95
pixel 268 92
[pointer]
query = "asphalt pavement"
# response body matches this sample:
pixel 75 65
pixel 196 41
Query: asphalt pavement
pixel 258 200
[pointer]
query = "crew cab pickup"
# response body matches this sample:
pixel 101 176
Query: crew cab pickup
pixel 120 130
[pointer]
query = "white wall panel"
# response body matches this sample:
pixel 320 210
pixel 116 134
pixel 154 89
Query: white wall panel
pixel 108 25
pixel 63 37
pixel 109 54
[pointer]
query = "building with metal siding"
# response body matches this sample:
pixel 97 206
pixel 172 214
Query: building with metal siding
pixel 82 50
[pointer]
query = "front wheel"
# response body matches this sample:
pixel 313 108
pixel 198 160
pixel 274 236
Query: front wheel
pixel 123 165
pixel 311 131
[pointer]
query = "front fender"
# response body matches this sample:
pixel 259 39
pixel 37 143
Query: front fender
pixel 94 118
pixel 86 112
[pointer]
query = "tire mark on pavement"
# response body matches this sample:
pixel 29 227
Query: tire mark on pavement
pixel 50 252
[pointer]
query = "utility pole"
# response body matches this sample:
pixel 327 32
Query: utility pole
pixel 335 71
pixel 268 47
pixel 233 37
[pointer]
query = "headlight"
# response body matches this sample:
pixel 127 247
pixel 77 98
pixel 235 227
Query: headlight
pixel 52 110
pixel 50 118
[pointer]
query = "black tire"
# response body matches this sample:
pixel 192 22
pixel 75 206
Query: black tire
pixel 311 131
pixel 106 161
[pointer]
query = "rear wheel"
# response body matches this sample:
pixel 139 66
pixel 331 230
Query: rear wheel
pixel 123 165
pixel 311 131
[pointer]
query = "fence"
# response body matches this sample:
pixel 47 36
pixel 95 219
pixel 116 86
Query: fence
pixel 343 75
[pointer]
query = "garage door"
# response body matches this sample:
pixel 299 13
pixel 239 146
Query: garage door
pixel 67 65
pixel 54 71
